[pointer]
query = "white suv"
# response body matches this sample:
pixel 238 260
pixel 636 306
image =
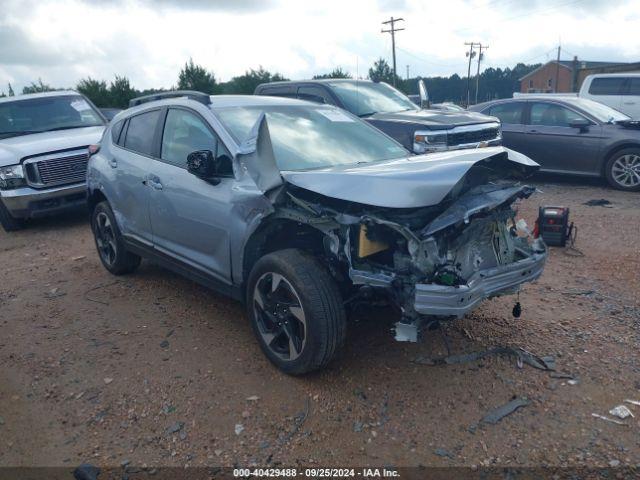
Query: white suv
pixel 618 90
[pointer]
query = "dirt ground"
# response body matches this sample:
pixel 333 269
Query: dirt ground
pixel 155 370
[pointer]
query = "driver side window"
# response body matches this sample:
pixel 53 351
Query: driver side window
pixel 184 133
pixel 553 115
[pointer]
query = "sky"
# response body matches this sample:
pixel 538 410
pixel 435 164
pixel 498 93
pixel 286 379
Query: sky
pixel 148 41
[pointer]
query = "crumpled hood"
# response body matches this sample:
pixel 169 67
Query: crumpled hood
pixel 13 149
pixel 416 181
pixel 433 118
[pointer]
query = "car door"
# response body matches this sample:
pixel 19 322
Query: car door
pixel 556 145
pixel 511 115
pixel 631 98
pixel 132 156
pixel 190 216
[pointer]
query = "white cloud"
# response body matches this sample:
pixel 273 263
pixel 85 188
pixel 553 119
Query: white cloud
pixel 63 41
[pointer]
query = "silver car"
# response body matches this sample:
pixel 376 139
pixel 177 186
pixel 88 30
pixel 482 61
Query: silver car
pixel 302 210
pixel 43 154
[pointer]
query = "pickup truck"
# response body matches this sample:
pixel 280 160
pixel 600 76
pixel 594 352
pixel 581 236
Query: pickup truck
pixel 44 139
pixel 418 130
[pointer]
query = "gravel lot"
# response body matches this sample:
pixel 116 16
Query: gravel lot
pixel 155 370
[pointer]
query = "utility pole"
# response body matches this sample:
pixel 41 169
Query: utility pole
pixel 393 31
pixel 470 54
pixel 407 72
pixel 480 58
pixel 557 71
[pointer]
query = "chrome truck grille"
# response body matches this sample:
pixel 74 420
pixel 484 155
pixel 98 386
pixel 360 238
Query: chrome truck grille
pixel 57 169
pixel 476 135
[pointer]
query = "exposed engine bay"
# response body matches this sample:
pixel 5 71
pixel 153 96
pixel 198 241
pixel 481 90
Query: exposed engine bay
pixel 435 261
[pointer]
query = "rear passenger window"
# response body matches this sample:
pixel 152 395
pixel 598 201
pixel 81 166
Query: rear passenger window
pixel 141 131
pixel 115 131
pixel 553 115
pixel 508 112
pixel 607 86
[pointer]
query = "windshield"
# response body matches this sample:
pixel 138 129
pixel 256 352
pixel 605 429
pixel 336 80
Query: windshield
pixel 305 137
pixel 367 98
pixel 44 114
pixel 598 110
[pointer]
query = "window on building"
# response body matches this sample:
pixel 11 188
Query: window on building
pixel 550 82
pixel 530 83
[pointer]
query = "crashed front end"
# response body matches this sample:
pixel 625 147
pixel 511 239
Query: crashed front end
pixel 433 262
pixel 432 235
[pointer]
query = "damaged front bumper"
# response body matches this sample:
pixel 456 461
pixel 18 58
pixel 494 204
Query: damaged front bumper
pixel 442 300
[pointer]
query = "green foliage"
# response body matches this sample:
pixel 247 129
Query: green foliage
pixel 494 83
pixel 382 72
pixel 11 92
pixel 96 91
pixel 247 83
pixel 120 92
pixel 335 73
pixel 37 87
pixel 196 77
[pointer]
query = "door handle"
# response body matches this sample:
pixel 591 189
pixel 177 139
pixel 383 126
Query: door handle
pixel 532 131
pixel 113 163
pixel 154 183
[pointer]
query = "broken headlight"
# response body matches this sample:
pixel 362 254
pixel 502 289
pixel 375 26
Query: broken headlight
pixel 11 176
pixel 425 141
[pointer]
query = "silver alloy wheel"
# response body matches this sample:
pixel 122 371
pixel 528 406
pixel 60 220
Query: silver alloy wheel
pixel 626 170
pixel 105 238
pixel 279 316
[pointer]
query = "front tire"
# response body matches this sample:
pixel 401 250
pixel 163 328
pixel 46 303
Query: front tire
pixel 296 311
pixel 8 222
pixel 623 170
pixel 111 248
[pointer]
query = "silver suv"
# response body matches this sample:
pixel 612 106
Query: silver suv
pixel 43 153
pixel 303 210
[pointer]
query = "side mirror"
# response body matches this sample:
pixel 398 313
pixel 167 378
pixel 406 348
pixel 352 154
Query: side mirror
pixel 580 123
pixel 202 163
pixel 424 95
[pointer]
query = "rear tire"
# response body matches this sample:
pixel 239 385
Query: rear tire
pixel 8 222
pixel 111 248
pixel 296 311
pixel 623 170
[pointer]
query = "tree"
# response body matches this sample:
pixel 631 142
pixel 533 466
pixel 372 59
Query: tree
pixel 247 83
pixel 11 92
pixel 335 73
pixel 381 72
pixel 120 92
pixel 196 77
pixel 96 91
pixel 37 87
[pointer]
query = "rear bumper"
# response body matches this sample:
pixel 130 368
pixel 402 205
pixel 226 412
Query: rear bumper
pixel 27 202
pixel 442 300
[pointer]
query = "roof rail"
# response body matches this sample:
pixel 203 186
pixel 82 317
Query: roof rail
pixel 191 94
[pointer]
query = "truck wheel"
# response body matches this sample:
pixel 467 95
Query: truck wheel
pixel 109 243
pixel 623 170
pixel 296 311
pixel 9 223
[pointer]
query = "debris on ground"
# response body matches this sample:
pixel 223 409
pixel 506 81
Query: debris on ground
pixel 239 428
pixel 621 411
pixel 54 293
pixel 86 471
pixel 633 402
pixel 441 452
pixel 253 398
pixel 357 426
pixel 522 356
pixel 79 257
pixel 497 414
pixel 607 419
pixel 107 380
pixel 175 427
pixel 599 202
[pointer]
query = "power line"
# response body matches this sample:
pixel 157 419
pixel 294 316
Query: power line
pixel 393 31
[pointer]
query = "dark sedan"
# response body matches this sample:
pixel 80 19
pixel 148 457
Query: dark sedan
pixel 571 135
